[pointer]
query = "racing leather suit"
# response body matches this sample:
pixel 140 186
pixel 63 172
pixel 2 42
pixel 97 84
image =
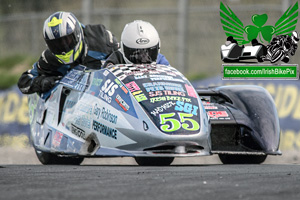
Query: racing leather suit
pixel 99 44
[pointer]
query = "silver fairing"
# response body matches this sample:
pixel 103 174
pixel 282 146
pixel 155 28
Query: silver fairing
pixel 126 110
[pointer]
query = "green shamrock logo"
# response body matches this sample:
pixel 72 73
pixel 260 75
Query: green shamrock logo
pixel 260 30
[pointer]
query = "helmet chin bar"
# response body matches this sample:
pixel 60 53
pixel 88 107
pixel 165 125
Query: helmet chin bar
pixel 71 56
pixel 66 58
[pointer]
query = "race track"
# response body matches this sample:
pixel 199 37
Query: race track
pixel 112 182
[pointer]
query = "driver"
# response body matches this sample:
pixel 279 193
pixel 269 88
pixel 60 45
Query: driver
pixel 69 43
pixel 285 43
pixel 140 44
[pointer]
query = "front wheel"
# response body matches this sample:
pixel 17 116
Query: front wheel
pixel 276 56
pixel 154 161
pixel 52 159
pixel 242 159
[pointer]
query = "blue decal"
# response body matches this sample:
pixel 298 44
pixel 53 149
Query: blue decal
pixel 97 55
pixel 76 79
pixel 112 91
pixel 186 107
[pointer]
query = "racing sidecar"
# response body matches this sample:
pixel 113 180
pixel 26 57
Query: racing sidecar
pixel 151 113
pixel 232 52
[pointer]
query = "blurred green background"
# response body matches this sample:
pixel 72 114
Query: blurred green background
pixel 190 30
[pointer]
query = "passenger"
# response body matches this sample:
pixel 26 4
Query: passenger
pixel 140 44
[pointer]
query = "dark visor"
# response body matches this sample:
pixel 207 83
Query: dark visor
pixel 63 44
pixel 141 56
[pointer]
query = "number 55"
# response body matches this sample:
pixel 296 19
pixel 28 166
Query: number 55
pixel 175 124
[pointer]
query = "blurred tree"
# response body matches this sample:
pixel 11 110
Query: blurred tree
pixel 16 6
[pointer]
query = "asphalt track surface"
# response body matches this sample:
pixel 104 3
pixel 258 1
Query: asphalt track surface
pixel 132 182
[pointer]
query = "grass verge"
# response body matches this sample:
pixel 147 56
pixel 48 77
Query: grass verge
pixel 11 68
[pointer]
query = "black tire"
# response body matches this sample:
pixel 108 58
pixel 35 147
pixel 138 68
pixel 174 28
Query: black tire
pixel 285 59
pixel 154 161
pixel 242 159
pixel 276 56
pixel 52 159
pixel 260 58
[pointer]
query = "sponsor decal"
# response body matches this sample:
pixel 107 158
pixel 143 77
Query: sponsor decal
pixel 136 91
pixel 173 73
pixel 142 41
pixel 139 97
pixel 105 97
pixel 169 98
pixel 109 87
pixel 79 86
pixel 97 81
pixel 122 103
pixel 137 77
pixel 139 72
pixel 191 92
pixel 121 86
pixel 154 77
pixel 154 88
pixel 69 104
pixel 106 72
pixel 105 114
pixel 57 139
pixel 132 86
pixel 217 114
pixel 76 80
pixel 97 111
pixel 157 86
pixel 166 92
pixel 211 107
pixel 105 130
pixel 107 90
pixel 83 121
pixel 155 94
pixel 186 107
pixel 77 131
pixel 85 108
pixel 162 108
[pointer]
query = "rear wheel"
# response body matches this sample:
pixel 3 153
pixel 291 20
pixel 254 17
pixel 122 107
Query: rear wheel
pixel 52 159
pixel 154 161
pixel 242 159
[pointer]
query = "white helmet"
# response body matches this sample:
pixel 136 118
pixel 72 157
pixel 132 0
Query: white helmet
pixel 140 43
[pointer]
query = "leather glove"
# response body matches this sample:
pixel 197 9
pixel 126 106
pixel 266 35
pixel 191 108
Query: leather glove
pixel 44 83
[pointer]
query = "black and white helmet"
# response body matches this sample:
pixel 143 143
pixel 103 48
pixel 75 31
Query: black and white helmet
pixel 140 43
pixel 64 36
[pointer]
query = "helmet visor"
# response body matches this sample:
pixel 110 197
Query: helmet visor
pixel 141 56
pixel 63 45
